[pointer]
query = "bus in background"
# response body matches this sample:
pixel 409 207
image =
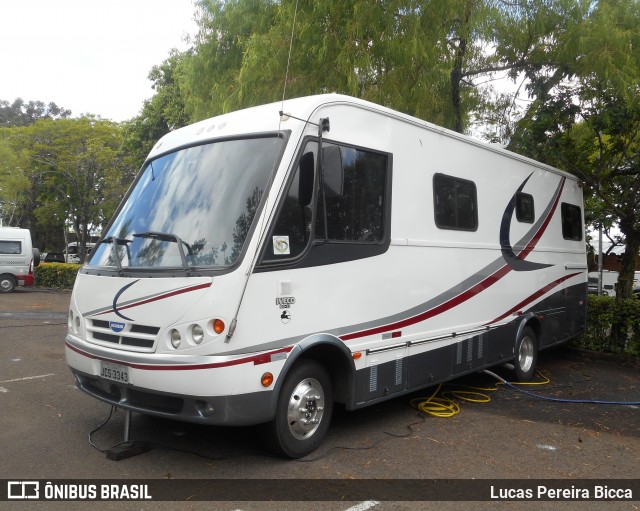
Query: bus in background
pixel 72 252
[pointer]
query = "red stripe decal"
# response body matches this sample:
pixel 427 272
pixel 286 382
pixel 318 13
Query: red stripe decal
pixel 534 296
pixel 443 307
pixel 160 297
pixel 534 241
pixel 469 293
pixel 255 359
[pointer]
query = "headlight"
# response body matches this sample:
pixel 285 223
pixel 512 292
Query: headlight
pixel 175 339
pixel 197 334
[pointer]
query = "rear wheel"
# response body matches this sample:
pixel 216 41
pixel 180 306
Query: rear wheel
pixel 526 354
pixel 7 283
pixel 303 412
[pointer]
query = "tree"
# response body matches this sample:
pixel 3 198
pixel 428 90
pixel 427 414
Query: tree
pixel 586 119
pixel 20 113
pixel 17 196
pixel 428 58
pixel 13 186
pixel 74 168
pixel 210 72
pixel 164 112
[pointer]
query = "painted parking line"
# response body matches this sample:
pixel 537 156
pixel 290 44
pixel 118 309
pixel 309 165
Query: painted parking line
pixel 363 506
pixel 28 378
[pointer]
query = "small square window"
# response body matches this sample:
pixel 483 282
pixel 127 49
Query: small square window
pixel 455 202
pixel 571 222
pixel 525 211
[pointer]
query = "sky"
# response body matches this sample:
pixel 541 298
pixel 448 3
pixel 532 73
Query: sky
pixel 88 56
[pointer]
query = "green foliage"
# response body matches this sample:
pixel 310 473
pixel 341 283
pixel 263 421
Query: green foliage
pixel 605 317
pixel 586 119
pixel 429 59
pixel 164 112
pixel 71 171
pixel 56 275
pixel 20 113
pixel 13 186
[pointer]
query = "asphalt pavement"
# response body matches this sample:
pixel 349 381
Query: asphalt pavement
pixel 47 427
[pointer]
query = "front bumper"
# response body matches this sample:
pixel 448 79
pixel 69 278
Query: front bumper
pixel 236 410
pixel 212 390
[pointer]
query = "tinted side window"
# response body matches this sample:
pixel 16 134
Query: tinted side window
pixel 455 202
pixel 525 211
pixel 10 247
pixel 571 222
pixel 356 220
pixel 357 215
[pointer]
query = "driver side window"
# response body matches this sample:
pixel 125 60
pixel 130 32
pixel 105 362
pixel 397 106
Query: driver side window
pixel 356 217
pixel 292 229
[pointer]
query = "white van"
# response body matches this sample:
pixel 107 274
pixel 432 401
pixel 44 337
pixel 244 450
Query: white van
pixel 17 258
pixel 272 261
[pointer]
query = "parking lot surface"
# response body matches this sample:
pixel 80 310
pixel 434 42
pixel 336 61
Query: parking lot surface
pixel 46 422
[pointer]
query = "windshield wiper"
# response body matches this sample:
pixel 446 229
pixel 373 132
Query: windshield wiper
pixel 118 241
pixel 167 236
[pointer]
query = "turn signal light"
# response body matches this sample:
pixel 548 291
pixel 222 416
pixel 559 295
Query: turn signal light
pixel 267 379
pixel 218 326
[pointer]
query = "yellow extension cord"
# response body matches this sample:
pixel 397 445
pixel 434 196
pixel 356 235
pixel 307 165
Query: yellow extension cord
pixel 444 404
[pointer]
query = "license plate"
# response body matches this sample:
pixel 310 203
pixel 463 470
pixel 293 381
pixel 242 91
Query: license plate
pixel 115 372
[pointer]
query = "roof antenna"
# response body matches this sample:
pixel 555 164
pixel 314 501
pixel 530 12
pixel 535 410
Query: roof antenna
pixel 286 75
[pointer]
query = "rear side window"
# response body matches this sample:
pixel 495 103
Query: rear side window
pixel 455 203
pixel 571 222
pixel 10 247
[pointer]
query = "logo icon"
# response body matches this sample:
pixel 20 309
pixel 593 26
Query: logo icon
pixel 21 490
pixel 285 316
pixel 116 326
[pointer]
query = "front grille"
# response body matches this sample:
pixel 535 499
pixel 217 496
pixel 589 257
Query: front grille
pixel 133 337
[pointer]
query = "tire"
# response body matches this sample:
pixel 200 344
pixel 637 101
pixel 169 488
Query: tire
pixel 7 283
pixel 303 412
pixel 526 355
pixel 36 257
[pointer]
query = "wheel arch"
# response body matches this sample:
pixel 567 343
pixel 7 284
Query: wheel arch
pixel 336 358
pixel 532 321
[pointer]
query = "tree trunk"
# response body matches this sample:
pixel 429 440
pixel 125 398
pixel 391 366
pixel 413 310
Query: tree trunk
pixel 629 263
pixel 620 327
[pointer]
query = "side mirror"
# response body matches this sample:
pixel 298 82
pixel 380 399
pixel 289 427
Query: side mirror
pixel 305 179
pixel 333 172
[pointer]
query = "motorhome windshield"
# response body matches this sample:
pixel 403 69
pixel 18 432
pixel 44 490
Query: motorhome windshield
pixel 191 208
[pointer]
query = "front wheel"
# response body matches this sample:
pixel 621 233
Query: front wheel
pixel 526 354
pixel 303 411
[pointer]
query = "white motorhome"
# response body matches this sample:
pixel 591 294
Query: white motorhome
pixel 269 262
pixel 17 258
